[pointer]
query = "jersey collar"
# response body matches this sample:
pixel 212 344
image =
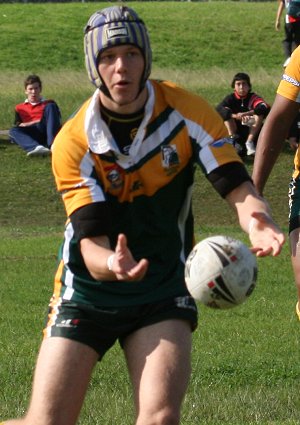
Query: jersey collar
pixel 100 139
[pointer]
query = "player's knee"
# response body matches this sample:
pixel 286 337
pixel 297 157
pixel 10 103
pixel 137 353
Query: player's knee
pixel 165 416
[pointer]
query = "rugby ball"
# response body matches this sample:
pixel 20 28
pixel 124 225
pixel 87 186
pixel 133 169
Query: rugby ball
pixel 221 272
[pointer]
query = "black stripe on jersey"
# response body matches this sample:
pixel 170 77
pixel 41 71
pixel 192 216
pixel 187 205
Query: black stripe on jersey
pixel 155 124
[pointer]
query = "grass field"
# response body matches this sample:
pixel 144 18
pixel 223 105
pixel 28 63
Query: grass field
pixel 190 44
pixel 245 361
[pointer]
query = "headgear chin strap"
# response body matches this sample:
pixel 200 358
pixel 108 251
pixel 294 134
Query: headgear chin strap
pixel 114 26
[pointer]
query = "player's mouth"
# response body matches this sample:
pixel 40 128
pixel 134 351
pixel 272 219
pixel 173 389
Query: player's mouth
pixel 122 84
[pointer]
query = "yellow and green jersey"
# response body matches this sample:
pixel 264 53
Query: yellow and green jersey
pixel 148 191
pixel 289 88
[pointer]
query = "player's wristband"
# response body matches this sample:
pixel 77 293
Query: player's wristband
pixel 110 261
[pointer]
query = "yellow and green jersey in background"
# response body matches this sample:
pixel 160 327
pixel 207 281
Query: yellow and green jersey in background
pixel 289 88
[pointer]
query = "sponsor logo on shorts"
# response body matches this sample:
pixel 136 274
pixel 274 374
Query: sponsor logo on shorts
pixel 68 323
pixel 185 302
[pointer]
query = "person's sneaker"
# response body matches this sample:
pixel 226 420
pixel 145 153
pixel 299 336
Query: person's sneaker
pixel 298 310
pixel 250 148
pixel 235 140
pixel 39 151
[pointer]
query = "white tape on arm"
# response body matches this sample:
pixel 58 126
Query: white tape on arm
pixel 110 261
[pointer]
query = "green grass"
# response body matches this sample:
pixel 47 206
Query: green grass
pixel 198 44
pixel 245 361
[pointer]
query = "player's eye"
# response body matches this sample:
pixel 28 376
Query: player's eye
pixel 106 58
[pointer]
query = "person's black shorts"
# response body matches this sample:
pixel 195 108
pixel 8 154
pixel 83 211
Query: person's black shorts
pixel 294 204
pixel 99 327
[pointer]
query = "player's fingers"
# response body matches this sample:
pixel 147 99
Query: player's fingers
pixel 139 271
pixel 277 247
pixel 121 243
pixel 273 249
pixel 261 252
pixel 136 273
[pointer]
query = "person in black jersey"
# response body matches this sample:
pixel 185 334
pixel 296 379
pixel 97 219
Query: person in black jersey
pixel 243 112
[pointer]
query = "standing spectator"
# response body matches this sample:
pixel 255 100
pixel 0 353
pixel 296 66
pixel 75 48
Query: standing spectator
pixel 37 120
pixel 124 164
pixel 243 113
pixel 272 137
pixel 291 30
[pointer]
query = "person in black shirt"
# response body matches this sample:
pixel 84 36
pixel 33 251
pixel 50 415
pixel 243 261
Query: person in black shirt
pixel 243 112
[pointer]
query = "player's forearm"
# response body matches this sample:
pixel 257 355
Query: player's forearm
pixel 272 138
pixel 269 146
pixel 96 252
pixel 245 201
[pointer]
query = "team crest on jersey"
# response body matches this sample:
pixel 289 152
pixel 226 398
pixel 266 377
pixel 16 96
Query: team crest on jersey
pixel 114 177
pixel 170 156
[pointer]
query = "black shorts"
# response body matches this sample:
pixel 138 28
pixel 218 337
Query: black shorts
pixel 294 204
pixel 100 327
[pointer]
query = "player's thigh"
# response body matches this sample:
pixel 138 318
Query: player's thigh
pixel 159 358
pixel 294 238
pixel 61 378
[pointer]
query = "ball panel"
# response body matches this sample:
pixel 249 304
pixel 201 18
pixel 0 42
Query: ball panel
pixel 221 272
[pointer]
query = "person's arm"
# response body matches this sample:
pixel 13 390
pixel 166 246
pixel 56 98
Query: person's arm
pixel 28 124
pixel 92 226
pixel 90 215
pixel 255 219
pixel 278 14
pixel 243 116
pixel 17 120
pixel 271 139
pixel 105 264
pixel 224 109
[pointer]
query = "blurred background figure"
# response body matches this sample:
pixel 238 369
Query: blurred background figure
pixel 37 120
pixel 243 112
pixel 291 27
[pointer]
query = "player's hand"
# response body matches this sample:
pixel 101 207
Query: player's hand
pixel 265 236
pixel 248 120
pixel 124 265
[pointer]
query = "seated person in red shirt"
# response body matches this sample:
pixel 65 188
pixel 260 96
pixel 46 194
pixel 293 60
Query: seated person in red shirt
pixel 243 113
pixel 37 120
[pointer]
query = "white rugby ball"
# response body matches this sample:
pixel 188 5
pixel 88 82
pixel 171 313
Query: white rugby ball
pixel 221 272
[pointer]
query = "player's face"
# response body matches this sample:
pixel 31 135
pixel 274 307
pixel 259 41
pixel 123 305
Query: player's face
pixel 241 87
pixel 121 69
pixel 33 92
